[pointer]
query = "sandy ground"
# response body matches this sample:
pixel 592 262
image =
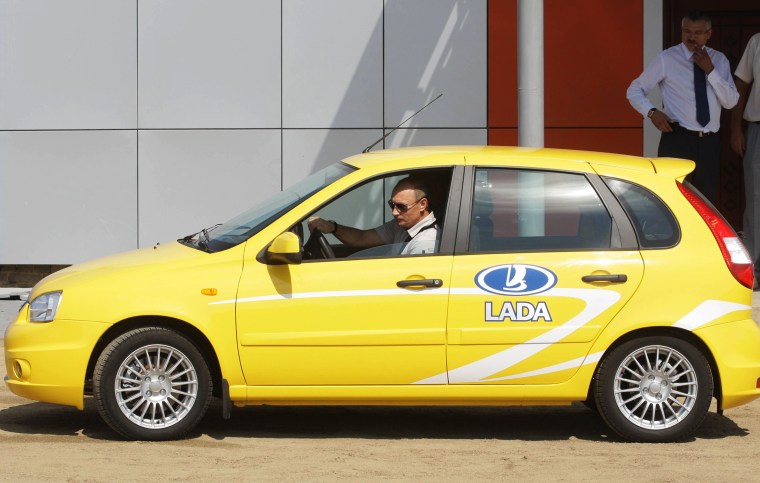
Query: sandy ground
pixel 44 442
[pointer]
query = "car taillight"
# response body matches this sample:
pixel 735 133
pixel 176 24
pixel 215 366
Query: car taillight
pixel 734 253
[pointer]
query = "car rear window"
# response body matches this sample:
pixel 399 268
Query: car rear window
pixel 655 225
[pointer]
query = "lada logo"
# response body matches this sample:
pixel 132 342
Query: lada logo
pixel 515 279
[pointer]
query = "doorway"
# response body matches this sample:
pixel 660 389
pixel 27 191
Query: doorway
pixel 733 23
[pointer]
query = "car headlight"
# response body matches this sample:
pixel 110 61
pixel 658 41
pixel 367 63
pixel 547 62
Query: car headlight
pixel 44 307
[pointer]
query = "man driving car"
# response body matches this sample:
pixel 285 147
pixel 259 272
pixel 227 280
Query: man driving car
pixel 413 227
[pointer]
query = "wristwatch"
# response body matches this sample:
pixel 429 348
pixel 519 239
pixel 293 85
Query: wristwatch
pixel 335 226
pixel 651 112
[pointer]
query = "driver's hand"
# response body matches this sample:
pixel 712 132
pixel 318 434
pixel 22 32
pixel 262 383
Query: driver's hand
pixel 317 223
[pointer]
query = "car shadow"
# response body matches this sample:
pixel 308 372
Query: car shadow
pixel 366 422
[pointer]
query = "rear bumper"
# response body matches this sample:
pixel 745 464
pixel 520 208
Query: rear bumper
pixel 736 349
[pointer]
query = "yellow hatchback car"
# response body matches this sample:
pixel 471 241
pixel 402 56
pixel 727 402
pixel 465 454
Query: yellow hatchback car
pixel 499 276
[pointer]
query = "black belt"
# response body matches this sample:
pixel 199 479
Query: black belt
pixel 699 134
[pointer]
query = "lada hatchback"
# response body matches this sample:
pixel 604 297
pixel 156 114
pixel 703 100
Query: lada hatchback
pixel 551 277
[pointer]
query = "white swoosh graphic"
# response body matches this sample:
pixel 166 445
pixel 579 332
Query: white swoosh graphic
pixel 575 363
pixel 597 301
pixel 336 293
pixel 701 315
pixel 706 312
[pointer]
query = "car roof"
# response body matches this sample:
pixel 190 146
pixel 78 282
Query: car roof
pixel 517 156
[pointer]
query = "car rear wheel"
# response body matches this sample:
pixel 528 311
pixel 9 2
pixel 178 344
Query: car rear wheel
pixel 152 384
pixel 654 389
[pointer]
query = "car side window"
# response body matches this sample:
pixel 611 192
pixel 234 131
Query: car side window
pixel 532 210
pixel 655 225
pixel 365 207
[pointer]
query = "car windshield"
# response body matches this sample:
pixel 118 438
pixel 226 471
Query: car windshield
pixel 247 224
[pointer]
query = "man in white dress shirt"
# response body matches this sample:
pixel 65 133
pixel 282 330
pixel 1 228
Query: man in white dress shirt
pixel 689 130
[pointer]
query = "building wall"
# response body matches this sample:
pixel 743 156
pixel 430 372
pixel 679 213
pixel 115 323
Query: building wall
pixel 592 52
pixel 128 122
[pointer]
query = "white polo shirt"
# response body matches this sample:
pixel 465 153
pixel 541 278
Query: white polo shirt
pixel 748 70
pixel 424 236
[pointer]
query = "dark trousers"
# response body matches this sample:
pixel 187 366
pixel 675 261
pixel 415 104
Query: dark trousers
pixel 705 151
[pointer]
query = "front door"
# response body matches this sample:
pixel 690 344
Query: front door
pixel 357 319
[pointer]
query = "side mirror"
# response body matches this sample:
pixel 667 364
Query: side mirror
pixel 285 249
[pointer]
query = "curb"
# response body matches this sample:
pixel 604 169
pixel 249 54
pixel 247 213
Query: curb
pixel 14 293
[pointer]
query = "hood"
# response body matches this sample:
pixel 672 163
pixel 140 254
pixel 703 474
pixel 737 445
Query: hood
pixel 144 259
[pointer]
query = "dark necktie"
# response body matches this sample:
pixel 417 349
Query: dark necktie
pixel 700 92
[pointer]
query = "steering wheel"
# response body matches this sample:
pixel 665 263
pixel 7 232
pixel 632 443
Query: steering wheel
pixel 318 241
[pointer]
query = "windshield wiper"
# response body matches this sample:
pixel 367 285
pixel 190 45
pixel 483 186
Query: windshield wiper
pixel 203 239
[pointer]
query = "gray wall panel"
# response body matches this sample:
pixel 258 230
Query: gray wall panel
pixel 67 196
pixel 332 63
pixel 191 180
pixel 209 64
pixel 309 150
pixel 433 47
pixel 68 65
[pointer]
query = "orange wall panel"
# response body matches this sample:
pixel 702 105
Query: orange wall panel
pixel 592 52
pixel 502 136
pixel 502 63
pixel 611 140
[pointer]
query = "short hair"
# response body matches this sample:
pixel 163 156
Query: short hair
pixel 696 16
pixel 415 183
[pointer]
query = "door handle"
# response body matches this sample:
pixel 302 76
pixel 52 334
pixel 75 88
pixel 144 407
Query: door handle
pixel 612 278
pixel 427 282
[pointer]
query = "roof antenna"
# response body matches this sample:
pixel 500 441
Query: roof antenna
pixel 368 148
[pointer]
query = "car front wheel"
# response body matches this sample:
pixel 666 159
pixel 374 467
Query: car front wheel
pixel 654 389
pixel 152 384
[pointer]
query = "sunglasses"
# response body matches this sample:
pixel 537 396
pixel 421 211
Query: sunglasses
pixel 402 207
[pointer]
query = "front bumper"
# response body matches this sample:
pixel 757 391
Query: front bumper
pixel 736 349
pixel 48 361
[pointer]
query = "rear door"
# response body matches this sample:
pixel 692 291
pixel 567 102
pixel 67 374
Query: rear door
pixel 545 259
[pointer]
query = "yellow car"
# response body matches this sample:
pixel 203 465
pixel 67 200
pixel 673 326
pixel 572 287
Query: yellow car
pixel 548 277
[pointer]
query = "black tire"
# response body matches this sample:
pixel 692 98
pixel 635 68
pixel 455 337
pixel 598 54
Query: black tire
pixel 163 389
pixel 654 389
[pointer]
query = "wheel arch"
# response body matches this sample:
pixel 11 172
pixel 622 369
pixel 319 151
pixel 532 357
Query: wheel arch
pixel 682 334
pixel 180 326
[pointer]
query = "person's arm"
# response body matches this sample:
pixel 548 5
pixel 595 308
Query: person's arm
pixel 738 143
pixel 722 81
pixel 352 237
pixel 641 86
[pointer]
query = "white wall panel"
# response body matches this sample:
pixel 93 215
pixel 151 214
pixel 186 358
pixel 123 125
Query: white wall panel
pixel 189 180
pixel 66 197
pixel 332 63
pixel 309 150
pixel 436 137
pixel 209 64
pixel 432 47
pixel 68 65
